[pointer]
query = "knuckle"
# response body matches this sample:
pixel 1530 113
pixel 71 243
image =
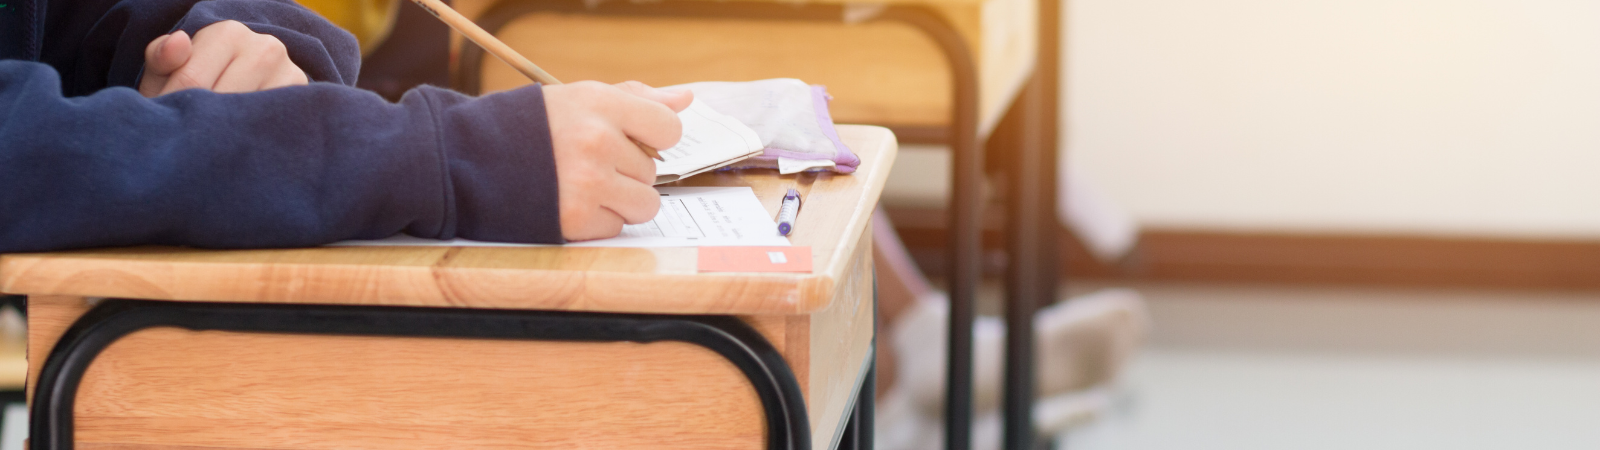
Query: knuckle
pixel 226 28
pixel 592 89
pixel 586 181
pixel 273 46
pixel 258 45
pixel 590 137
pixel 586 143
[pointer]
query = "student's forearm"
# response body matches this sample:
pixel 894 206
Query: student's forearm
pixel 295 166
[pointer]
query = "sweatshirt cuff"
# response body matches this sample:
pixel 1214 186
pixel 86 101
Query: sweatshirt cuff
pixel 501 167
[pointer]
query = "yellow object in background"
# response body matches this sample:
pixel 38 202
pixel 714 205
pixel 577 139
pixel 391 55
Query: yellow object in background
pixel 370 20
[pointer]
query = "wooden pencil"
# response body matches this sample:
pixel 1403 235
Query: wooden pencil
pixel 500 50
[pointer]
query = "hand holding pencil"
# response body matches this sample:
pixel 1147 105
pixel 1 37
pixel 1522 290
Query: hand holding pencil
pixel 504 52
pixel 597 133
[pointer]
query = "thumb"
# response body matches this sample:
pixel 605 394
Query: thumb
pixel 164 55
pixel 167 53
pixel 676 99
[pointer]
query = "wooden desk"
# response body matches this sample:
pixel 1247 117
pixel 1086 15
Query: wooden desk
pixel 173 388
pixel 936 71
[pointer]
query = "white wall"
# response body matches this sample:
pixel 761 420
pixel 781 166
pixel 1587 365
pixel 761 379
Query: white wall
pixel 1458 117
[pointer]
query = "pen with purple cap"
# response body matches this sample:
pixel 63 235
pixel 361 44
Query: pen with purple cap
pixel 788 211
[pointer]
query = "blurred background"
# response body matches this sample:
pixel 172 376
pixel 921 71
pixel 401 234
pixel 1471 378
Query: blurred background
pixel 1364 224
pixel 1367 224
pixel 1361 224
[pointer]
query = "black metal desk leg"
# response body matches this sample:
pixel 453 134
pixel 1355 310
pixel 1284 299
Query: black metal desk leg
pixel 866 408
pixel 858 434
pixel 858 431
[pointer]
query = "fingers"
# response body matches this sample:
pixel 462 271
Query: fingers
pixel 259 65
pixel 167 53
pixel 228 57
pixel 597 198
pixel 604 179
pixel 633 163
pixel 649 121
pixel 153 50
pixel 626 201
pixel 164 55
pixel 675 99
pixel 237 79
pixel 630 161
pixel 611 148
pixel 597 223
pixel 151 80
pixel 214 49
pixel 635 202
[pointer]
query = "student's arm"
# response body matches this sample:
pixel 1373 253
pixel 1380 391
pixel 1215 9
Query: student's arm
pixel 101 43
pixel 308 165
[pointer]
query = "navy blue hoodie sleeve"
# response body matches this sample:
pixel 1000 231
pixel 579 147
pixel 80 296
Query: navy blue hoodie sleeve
pixel 295 166
pixel 100 43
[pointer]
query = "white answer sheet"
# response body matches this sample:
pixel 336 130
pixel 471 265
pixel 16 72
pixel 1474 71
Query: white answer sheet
pixel 689 217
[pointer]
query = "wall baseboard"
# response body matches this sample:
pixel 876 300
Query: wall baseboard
pixel 1289 258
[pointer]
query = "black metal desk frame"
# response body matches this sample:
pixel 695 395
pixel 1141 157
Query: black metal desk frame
pixel 51 421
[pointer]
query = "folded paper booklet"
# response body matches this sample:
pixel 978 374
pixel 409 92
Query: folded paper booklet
pixel 710 140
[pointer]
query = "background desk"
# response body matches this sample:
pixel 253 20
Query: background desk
pixel 167 388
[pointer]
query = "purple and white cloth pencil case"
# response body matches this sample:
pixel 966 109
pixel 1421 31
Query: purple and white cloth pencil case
pixel 790 116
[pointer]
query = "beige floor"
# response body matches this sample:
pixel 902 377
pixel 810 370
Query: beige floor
pixel 1264 367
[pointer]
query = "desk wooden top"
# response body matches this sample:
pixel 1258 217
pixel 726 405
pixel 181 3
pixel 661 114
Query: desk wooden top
pixel 661 280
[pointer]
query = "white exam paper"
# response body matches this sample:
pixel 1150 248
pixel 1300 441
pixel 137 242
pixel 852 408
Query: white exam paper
pixel 689 217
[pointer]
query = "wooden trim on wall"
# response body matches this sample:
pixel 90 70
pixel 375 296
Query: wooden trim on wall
pixel 1359 259
pixel 1292 258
